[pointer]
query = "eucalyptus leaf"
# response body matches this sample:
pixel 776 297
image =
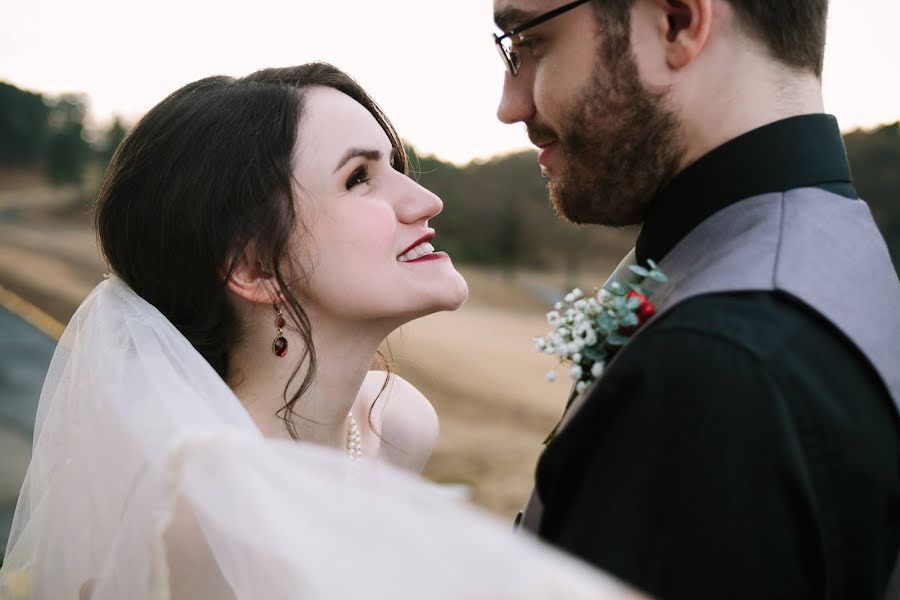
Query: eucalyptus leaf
pixel 594 354
pixel 639 271
pixel 616 339
pixel 630 320
pixel 633 303
pixel 658 276
pixel 622 313
pixel 619 303
pixel 639 289
pixel 606 323
pixel 652 264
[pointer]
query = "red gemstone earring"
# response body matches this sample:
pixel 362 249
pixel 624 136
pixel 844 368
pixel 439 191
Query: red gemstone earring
pixel 280 345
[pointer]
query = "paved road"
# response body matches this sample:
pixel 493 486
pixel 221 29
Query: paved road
pixel 25 354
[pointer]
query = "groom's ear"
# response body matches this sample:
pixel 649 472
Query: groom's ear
pixel 685 25
pixel 247 278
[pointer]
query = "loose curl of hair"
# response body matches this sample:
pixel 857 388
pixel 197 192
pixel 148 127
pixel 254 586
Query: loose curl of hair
pixel 203 175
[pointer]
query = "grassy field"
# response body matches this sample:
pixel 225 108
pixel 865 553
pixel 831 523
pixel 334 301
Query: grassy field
pixel 477 365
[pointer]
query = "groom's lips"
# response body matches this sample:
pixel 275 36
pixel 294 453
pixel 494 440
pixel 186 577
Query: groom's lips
pixel 545 153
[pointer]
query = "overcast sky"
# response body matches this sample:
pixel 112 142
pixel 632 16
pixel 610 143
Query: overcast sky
pixel 430 64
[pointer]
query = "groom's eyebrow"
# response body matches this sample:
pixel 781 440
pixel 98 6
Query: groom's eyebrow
pixel 367 153
pixel 508 18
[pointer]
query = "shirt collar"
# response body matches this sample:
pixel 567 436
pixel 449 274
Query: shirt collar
pixel 804 151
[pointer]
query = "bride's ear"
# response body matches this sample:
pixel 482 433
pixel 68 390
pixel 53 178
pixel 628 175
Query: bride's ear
pixel 250 281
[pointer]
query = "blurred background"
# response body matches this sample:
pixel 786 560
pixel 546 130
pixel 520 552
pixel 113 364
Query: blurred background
pixel 75 76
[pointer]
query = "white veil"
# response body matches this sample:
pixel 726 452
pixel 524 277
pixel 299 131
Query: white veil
pixel 150 481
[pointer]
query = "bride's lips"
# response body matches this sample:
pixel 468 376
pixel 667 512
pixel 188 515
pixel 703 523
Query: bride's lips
pixel 437 255
pixel 427 237
pixel 545 154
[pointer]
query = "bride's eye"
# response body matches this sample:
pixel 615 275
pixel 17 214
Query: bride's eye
pixel 358 177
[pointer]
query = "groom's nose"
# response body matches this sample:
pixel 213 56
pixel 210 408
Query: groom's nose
pixel 517 100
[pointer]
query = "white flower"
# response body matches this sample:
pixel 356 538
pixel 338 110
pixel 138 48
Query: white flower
pixel 602 294
pixel 597 370
pixel 579 318
pixel 575 373
pixel 577 293
pixel 584 333
pixel 569 298
pixel 540 344
pixel 553 318
pixel 581 305
pixel 558 306
pixel 574 347
pixel 551 376
pixel 549 349
pixel 581 386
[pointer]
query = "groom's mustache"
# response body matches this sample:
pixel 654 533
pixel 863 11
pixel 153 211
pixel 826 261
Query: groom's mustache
pixel 540 135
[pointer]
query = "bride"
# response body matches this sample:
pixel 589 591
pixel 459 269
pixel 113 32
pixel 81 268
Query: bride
pixel 200 424
pixel 270 219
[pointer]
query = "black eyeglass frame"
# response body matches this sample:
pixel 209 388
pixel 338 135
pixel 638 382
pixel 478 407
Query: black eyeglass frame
pixel 509 55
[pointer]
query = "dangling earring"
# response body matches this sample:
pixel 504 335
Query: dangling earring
pixel 280 345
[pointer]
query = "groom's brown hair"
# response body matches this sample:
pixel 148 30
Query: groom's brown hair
pixel 792 30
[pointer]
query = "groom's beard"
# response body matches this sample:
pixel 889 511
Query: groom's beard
pixel 619 144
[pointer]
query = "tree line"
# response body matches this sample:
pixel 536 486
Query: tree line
pixel 495 212
pixel 49 133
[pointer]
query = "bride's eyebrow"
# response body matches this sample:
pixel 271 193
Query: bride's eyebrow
pixel 367 153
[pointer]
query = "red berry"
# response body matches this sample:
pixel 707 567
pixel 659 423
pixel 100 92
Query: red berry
pixel 645 311
pixel 633 294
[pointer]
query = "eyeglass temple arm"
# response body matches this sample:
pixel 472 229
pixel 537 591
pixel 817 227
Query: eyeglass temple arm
pixel 541 19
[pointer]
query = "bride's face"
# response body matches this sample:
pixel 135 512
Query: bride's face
pixel 364 223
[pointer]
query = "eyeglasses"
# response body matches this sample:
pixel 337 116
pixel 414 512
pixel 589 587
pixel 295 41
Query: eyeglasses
pixel 508 52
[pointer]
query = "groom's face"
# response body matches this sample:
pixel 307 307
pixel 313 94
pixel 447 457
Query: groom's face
pixel 608 142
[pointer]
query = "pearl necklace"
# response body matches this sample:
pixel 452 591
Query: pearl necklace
pixel 354 439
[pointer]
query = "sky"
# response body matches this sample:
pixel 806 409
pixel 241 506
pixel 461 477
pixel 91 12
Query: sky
pixel 430 65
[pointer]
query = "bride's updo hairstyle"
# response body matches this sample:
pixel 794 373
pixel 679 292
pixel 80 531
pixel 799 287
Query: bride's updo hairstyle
pixel 206 173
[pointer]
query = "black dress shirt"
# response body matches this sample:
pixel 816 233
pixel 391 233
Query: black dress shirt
pixel 740 447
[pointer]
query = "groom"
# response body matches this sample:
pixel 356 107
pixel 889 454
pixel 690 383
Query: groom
pixel 745 442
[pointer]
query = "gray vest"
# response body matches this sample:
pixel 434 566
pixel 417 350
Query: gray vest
pixel 820 248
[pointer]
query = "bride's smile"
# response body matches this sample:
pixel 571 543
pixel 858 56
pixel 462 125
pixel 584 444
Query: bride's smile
pixel 422 250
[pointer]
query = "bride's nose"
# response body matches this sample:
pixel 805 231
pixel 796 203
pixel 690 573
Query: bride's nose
pixel 414 203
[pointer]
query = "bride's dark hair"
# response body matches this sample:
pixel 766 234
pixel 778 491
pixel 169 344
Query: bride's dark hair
pixel 206 173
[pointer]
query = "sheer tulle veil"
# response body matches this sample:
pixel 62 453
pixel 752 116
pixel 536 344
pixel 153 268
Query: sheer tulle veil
pixel 148 480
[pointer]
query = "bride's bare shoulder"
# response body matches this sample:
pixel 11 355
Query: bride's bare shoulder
pixel 405 419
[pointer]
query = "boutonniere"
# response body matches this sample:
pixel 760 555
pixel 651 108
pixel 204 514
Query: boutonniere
pixel 588 331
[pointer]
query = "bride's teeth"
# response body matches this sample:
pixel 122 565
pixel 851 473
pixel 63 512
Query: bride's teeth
pixel 417 252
